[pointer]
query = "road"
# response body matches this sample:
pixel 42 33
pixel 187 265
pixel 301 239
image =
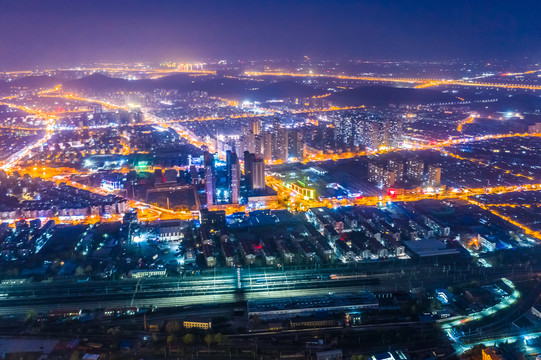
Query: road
pixel 423 82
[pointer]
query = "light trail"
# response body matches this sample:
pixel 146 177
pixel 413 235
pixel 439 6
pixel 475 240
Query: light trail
pixel 449 325
pixel 484 164
pixel 522 73
pixel 411 196
pixel 228 101
pixel 470 119
pixel 505 303
pixel 414 147
pixel 423 82
pixel 341 77
pixel 430 84
pixel 512 205
pixel 527 230
pixel 51 90
pixel 71 220
pixel 332 108
pixel 19 128
pixel 493 85
pixel 37 113
pixel 49 130
pixel 113 70
pixel 70 96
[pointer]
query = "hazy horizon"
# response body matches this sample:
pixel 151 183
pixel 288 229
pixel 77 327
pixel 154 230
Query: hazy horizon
pixel 59 32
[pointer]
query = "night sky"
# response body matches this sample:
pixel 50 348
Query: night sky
pixel 67 32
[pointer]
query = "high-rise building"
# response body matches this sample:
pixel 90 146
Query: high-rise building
pixel 433 176
pixel 212 219
pixel 254 126
pixel 415 170
pixel 249 144
pixel 385 133
pixel 373 134
pixel 228 160
pixel 235 183
pixel 395 132
pixel 136 116
pixel 295 144
pixel 397 167
pixel 326 136
pixel 267 145
pixel 233 174
pixel 380 176
pixel 254 172
pixel 239 146
pixel 248 169
pixel 366 131
pixel 210 179
pixel 258 175
pixel 275 124
pixel 373 170
pixel 258 146
pixel 354 129
pixel 281 150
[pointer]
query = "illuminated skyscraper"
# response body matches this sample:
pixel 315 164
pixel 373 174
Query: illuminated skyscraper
pixel 248 168
pixel 258 175
pixel 249 144
pixel 398 168
pixel 210 179
pixel 380 176
pixel 433 176
pixel 282 146
pixel 258 147
pixel 395 132
pixel 415 170
pixel 254 172
pixel 295 144
pixel 267 145
pixel 254 126
pixel 233 176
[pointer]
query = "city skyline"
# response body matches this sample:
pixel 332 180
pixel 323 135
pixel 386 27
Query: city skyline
pixel 291 179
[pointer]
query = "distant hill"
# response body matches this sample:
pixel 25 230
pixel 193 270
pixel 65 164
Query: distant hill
pixel 370 95
pixel 99 82
pixel 385 95
pixel 215 86
pixel 35 82
pixel 284 89
pixel 31 82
